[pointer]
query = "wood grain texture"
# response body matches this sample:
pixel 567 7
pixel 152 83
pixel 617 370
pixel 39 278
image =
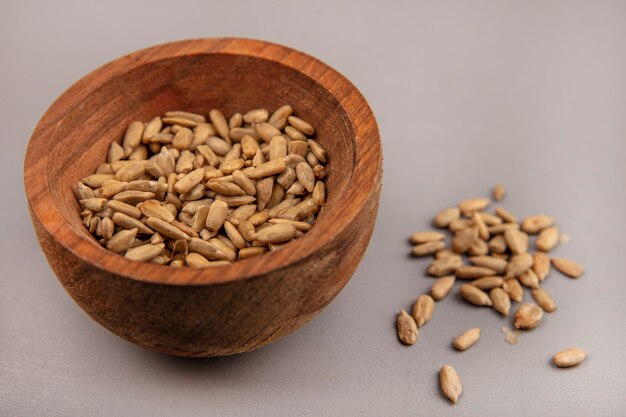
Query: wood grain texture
pixel 218 310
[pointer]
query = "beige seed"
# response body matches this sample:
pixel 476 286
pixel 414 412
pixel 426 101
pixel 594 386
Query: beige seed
pixel 513 289
pixel 251 251
pixel 83 192
pixel 278 148
pixel 266 131
pixel 268 168
pixel 519 264
pixel 234 235
pixel 544 300
pixel 93 204
pixel 450 383
pixel 498 192
pixel 474 295
pixel 541 265
pixel 279 118
pixel 153 127
pixel 442 287
pixel 301 125
pixel 464 239
pixel 205 249
pixel 235 200
pixel 319 193
pixel 427 248
pixel 497 244
pixel 478 248
pixel 511 336
pixel 497 229
pixel 535 224
pixel 189 181
pixel 515 241
pixel 473 204
pixel 305 175
pixel 407 328
pixel 444 253
pixel 487 283
pixel 121 241
pixel 569 357
pixel 473 272
pixel 220 123
pixel 276 233
pixel 467 339
pixel 318 150
pixel 198 118
pixel 97 180
pixel 445 217
pixel 238 133
pixel 244 182
pixel 505 215
pixel 127 209
pixel 107 228
pixel 249 146
pixel 116 152
pixel 144 252
pixel 295 134
pixel 256 116
pixel 489 219
pixel 548 239
pixel 299 147
pixel 153 208
pixel 199 218
pixel 500 300
pixel 225 187
pixel 498 265
pixel 166 229
pixel 241 213
pixel 195 260
pixel 565 266
pixel 264 189
pixel 423 237
pixel 247 230
pixel 263 216
pixel 423 309
pixel 529 279
pixel 183 139
pixel 127 222
pixel 528 316
pixel 217 215
pixel 149 186
pixel 445 266
pixel 483 232
pixel 132 137
pixel 133 197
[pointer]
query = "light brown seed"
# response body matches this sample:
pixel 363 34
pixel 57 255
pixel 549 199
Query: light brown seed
pixel 467 339
pixel 442 287
pixel 241 213
pixel 198 118
pixel 445 217
pixel 127 222
pixel 407 328
pixel 519 264
pixel 189 181
pixel 513 289
pixel 146 185
pixel 235 200
pixel 487 283
pixel 107 228
pixel 224 187
pixel 483 232
pixel 500 300
pixel 497 229
pixel 244 182
pixel 205 249
pixel 319 193
pixel 444 253
pixel 464 239
pixel 427 248
pixel 266 131
pixel 195 260
pixel 278 148
pixel 450 383
pixel 199 218
pixel 529 279
pixel 217 215
pixel 511 336
pixel 535 224
pixel 295 134
pixel 251 251
pixel 474 295
pixel 279 118
pixel 264 189
pixel 541 265
pixel 423 237
pixel 548 239
pixel 569 357
pixel 268 168
pixel 473 204
pixel 298 147
pixel 473 272
pixel 153 208
pixel 96 180
pixel 132 137
pixel 166 229
pixel 497 244
pixel 305 175
pixel 256 116
pixel 127 209
pixel 116 152
pixel 301 125
pixel 505 215
pixel 423 309
pixel 445 266
pixel 220 123
pixel 234 235
pixel 478 248
pixel 498 265
pixel 318 150
pixel 528 316
pixel 144 252
pixel 489 219
pixel 133 197
pixel 498 192
pixel 83 192
pixel 276 233
pixel 93 204
pixel 516 241
pixel 121 241
pixel 179 121
pixel 565 266
pixel 544 300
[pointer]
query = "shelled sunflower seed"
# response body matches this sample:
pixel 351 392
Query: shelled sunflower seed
pixel 186 190
pixel 500 265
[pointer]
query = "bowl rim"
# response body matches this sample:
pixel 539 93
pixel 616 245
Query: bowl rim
pixel 364 180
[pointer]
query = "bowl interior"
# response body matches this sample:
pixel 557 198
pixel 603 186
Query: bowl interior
pixel 197 83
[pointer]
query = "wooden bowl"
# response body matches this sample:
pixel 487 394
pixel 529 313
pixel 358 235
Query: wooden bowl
pixel 218 310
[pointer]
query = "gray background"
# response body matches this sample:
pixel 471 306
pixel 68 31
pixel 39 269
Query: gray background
pixel 467 94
